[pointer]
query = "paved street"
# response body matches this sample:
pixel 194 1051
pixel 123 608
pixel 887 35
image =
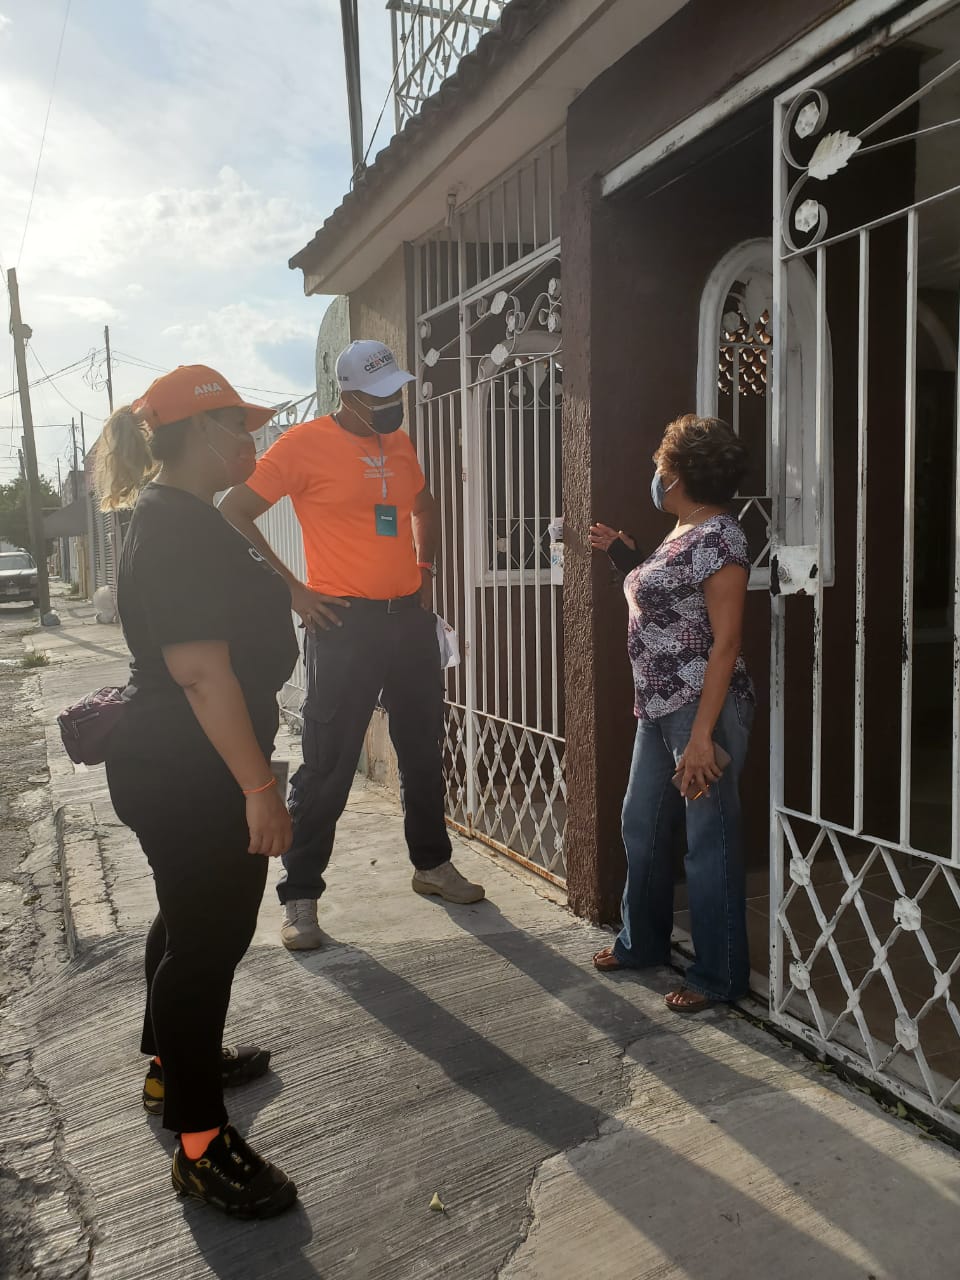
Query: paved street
pixel 571 1125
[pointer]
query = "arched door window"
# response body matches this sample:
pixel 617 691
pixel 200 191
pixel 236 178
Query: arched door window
pixel 735 382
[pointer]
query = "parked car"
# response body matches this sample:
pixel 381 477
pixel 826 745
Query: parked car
pixel 18 577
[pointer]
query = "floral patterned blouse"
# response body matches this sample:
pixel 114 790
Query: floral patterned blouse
pixel 669 636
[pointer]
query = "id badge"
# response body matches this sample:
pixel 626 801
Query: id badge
pixel 386 518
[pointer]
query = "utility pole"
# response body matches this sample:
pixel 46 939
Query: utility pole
pixel 73 436
pixel 106 340
pixel 21 333
pixel 83 439
pixel 27 497
pixel 351 58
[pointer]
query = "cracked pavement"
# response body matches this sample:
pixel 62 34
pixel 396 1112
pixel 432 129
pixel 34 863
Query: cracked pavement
pixel 45 1227
pixel 570 1124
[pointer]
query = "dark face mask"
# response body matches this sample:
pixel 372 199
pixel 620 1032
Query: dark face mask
pixel 388 419
pixel 384 420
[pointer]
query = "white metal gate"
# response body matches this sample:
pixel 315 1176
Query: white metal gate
pixel 489 389
pixel 281 528
pixel 865 857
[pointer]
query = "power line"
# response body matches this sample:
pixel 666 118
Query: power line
pixel 67 368
pixel 43 135
pixel 124 357
pixel 47 378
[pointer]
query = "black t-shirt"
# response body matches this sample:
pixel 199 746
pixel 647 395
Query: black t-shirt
pixel 187 575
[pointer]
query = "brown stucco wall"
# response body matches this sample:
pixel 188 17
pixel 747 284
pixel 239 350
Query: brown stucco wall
pixel 630 336
pixel 701 52
pixel 634 270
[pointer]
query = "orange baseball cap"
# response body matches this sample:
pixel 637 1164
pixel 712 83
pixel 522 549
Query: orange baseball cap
pixel 190 389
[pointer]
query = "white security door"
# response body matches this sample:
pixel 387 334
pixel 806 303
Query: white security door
pixel 865 823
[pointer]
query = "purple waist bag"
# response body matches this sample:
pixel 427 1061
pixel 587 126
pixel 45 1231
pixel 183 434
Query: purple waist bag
pixel 86 726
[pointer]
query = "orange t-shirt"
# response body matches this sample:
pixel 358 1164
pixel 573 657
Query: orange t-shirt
pixel 336 483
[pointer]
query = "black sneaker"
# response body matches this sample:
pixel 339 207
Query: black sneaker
pixel 241 1064
pixel 233 1178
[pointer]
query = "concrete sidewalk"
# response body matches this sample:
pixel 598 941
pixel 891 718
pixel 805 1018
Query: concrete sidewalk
pixel 571 1125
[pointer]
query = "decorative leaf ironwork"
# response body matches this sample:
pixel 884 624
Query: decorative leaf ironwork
pixel 832 154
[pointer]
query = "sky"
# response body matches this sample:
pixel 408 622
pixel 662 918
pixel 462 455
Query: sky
pixel 192 147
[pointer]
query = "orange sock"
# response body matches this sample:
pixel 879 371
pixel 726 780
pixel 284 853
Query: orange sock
pixel 195 1144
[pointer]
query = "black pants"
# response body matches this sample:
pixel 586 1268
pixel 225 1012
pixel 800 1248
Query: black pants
pixel 190 820
pixel 393 656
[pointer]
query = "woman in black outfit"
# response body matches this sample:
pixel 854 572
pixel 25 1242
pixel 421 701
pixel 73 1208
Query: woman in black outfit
pixel 209 627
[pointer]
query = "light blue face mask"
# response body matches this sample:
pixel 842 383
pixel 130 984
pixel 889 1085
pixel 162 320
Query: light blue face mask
pixel 657 490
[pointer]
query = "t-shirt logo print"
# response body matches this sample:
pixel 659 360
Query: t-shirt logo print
pixel 374 465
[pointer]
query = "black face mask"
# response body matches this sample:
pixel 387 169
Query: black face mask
pixel 387 420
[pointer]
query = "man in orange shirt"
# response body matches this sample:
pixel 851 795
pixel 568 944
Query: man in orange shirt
pixel 369 534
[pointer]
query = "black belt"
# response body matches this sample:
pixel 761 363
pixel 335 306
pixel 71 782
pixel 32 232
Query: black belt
pixel 395 605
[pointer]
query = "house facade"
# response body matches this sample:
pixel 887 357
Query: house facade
pixel 603 215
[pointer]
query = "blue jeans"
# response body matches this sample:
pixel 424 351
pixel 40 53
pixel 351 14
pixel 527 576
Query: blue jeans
pixel 716 884
pixel 393 656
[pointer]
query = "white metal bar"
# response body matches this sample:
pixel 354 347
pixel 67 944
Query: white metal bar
pixel 801 53
pixel 510 514
pixel 860 637
pixel 503 225
pixel 955 790
pixel 909 486
pixel 866 837
pixel 551 165
pixel 489 271
pixel 768 423
pixel 493 453
pixel 816 749
pixel 440 582
pixel 456 538
pixel 544 733
pixel 778 327
pixel 469 654
pixel 522 541
pixel 534 206
pixel 520 249
pixel 735 400
pixel 887 218
pixel 528 267
pixel 556 504
pixel 538 561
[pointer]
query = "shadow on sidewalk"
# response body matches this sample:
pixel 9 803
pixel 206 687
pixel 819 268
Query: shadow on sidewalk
pixel 115 655
pixel 523 1099
pixel 704 1081
pixel 235 1250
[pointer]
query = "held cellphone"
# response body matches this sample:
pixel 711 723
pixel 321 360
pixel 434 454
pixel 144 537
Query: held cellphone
pixel 722 759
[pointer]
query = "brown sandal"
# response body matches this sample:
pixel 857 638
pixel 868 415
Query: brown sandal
pixel 606 961
pixel 685 1001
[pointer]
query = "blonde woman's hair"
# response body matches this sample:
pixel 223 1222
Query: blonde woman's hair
pixel 128 456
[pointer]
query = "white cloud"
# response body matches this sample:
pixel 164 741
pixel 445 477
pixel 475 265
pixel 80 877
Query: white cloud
pixel 193 147
pixel 227 224
pixel 82 307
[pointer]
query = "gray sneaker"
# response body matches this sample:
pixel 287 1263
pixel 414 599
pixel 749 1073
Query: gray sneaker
pixel 300 931
pixel 446 882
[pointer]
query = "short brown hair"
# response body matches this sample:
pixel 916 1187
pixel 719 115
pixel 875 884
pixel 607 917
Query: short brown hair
pixel 706 455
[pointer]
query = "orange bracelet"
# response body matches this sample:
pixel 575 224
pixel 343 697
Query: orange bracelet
pixel 266 787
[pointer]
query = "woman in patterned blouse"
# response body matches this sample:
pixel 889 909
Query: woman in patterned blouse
pixel 694 706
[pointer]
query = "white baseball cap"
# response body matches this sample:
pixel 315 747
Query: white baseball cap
pixel 370 367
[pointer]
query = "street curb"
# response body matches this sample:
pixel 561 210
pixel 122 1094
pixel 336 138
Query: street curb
pixel 87 915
